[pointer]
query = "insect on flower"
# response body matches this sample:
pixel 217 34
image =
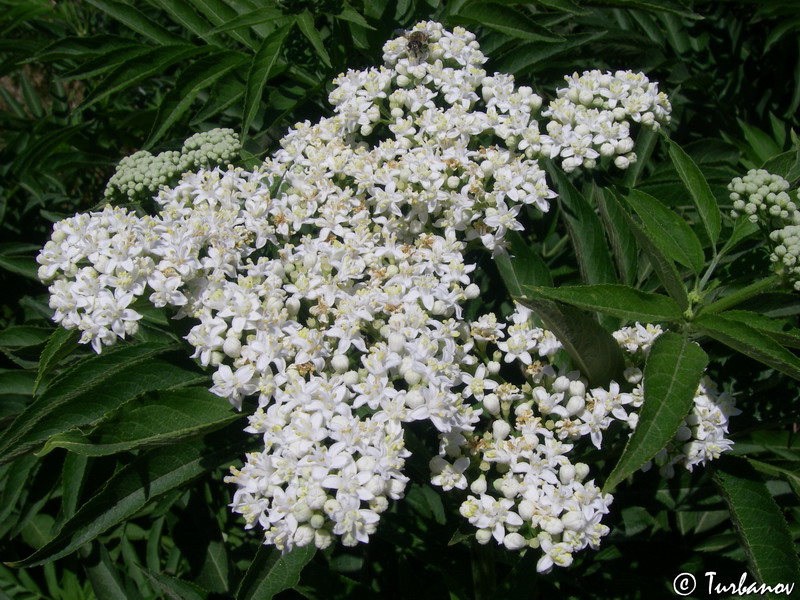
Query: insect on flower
pixel 417 44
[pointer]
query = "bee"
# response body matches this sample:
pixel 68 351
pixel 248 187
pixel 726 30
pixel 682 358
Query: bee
pixel 417 44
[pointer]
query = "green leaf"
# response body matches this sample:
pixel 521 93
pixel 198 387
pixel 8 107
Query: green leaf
pixel 750 342
pixel 154 62
pixel 528 54
pixel 224 93
pixel 761 143
pixel 742 229
pixel 254 17
pixel 739 295
pixel 21 265
pixel 785 164
pixel 177 589
pixel 73 477
pixel 618 300
pixel 699 190
pixel 218 13
pixel 106 580
pixel 780 330
pixel 155 419
pixel 60 345
pixel 671 377
pixel 271 572
pixel 668 231
pixel 306 24
pixel 198 76
pixel 623 242
pixel 16 381
pixel 667 6
pixel 23 336
pixel 521 266
pixel 129 16
pixel 84 393
pixel 348 13
pixel 662 265
pixel 508 21
pixel 586 232
pixel 594 351
pixel 759 523
pixel 183 13
pixel 136 484
pixel 261 67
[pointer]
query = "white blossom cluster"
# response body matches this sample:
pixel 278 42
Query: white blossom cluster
pixel 529 493
pixel 330 283
pixel 762 196
pixel 141 174
pixel 592 116
pixel 701 435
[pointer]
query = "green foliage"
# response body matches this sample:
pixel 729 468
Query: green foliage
pixel 110 484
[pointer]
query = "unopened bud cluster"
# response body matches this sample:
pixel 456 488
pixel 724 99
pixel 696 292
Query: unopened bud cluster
pixel 140 175
pixel 764 198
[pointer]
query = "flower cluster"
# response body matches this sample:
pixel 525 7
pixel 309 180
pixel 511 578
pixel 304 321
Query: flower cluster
pixel 592 117
pixel 768 203
pixel 761 196
pixel 141 174
pixel 330 283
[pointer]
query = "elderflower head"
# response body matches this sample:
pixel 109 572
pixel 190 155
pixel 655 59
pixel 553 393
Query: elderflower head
pixel 330 284
pixel 762 196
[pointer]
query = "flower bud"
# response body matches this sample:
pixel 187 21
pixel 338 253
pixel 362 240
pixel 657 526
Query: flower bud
pixel 500 430
pixel 514 541
pixel 483 536
pixel 491 402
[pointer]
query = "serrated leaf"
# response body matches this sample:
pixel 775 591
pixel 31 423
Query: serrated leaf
pixel 155 419
pixel 508 21
pixel 618 300
pixel 593 350
pixel 306 24
pixel 61 343
pixel 784 164
pixel 271 572
pixel 78 386
pixel 137 21
pixel 662 265
pixel 520 266
pixel 198 76
pixel 668 231
pixel 780 330
pixel 106 62
pixel 700 192
pixel 623 242
pixel 750 342
pixel 671 377
pixel 759 523
pixel 153 62
pixel 586 232
pixel 261 68
pixel 133 486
